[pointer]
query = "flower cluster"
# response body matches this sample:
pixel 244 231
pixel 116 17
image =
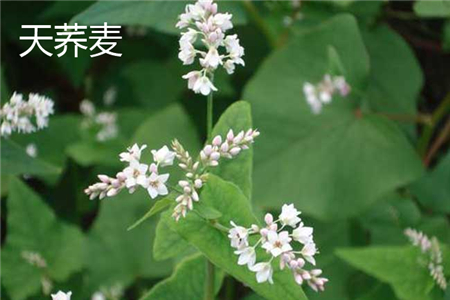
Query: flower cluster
pixel 322 93
pixel 293 248
pixel 105 121
pixel 429 247
pixel 135 174
pixel 16 115
pixel 196 172
pixel 204 23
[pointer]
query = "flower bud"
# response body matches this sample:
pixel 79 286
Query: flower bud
pixel 268 219
pixel 217 140
pixel 198 183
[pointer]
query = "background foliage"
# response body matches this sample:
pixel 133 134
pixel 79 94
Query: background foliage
pixel 362 171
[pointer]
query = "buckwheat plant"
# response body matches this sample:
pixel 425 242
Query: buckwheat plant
pixel 137 174
pixel 279 242
pixel 207 28
pixel 106 122
pixel 17 114
pixel 430 248
pixel 322 93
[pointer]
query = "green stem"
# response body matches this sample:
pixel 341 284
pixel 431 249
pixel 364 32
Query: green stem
pixel 260 22
pixel 427 134
pixel 210 272
pixel 209 116
pixel 210 279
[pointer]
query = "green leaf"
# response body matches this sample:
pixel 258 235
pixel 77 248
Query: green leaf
pixel 433 189
pixel 395 80
pixel 446 36
pixel 32 226
pixel 158 15
pixel 156 208
pixel 215 245
pixel 323 161
pixel 238 170
pixel 15 161
pixel 397 266
pixel 89 152
pixel 187 281
pixel 207 211
pixel 432 9
pixel 168 243
pixel 110 258
pixel 52 142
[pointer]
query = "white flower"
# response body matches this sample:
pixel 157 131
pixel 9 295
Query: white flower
pixel 133 153
pixel 155 184
pixel 204 86
pixel 187 53
pixel 277 243
pixel 61 296
pixel 289 215
pixel 238 236
pixel 134 172
pixel 303 234
pixel 31 150
pixel 247 256
pixel 263 271
pixel 223 21
pixel 163 157
pixel 308 252
pixel 87 108
pixel 212 59
pixel 188 37
pixel 192 78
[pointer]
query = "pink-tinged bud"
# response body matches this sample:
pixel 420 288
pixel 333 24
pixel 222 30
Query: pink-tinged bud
pixel 121 176
pixel 103 178
pixel 203 156
pixel 298 278
pixel 111 192
pixel 102 195
pixel 268 219
pixel 153 168
pixel 306 275
pixel 293 264
pixel 224 147
pixel 255 228
pixel 244 147
pixel 115 183
pixel 183 183
pixel 264 232
pixel 213 163
pixel 217 140
pixel 230 135
pixel 215 156
pixel 208 150
pixel 198 183
pixel 316 272
pixel 195 195
pixel 239 137
pixel 300 262
pixel 131 190
pixel 187 190
pixel 235 151
pixel 273 227
pixel 179 198
pixel 249 132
